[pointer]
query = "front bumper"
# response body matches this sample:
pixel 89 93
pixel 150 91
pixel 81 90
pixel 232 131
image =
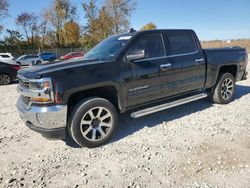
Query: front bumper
pixel 50 121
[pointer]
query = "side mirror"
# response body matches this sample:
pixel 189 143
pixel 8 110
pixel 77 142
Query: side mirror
pixel 136 55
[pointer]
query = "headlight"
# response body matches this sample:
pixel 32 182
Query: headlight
pixel 35 85
pixel 43 89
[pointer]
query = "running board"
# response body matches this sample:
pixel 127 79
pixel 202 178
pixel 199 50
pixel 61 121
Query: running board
pixel 165 106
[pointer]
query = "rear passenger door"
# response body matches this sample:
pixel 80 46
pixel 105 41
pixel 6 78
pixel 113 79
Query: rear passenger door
pixel 187 61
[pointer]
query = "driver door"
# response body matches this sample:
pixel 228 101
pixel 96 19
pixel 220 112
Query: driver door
pixel 142 76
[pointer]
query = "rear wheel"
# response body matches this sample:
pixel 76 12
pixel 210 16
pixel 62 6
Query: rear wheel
pixel 224 89
pixel 5 79
pixel 93 122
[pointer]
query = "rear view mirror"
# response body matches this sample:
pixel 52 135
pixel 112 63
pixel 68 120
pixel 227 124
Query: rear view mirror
pixel 136 55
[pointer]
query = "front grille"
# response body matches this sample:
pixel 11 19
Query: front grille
pixel 26 100
pixel 24 84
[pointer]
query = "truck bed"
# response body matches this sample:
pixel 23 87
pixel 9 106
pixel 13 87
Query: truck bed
pixel 219 57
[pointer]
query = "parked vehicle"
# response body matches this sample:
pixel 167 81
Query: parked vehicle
pixel 29 60
pixel 72 55
pixel 7 58
pixel 8 73
pixel 48 56
pixel 156 69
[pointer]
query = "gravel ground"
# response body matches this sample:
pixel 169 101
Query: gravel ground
pixel 195 145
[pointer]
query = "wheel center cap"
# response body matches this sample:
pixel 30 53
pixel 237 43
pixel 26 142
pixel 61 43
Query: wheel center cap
pixel 95 123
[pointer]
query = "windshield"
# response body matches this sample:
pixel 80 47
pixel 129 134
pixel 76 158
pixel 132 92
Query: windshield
pixel 108 48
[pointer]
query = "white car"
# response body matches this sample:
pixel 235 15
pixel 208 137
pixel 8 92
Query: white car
pixel 29 60
pixel 7 58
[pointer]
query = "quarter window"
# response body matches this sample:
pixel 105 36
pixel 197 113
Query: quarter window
pixel 151 44
pixel 181 43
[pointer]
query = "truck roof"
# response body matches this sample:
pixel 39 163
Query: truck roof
pixel 153 31
pixel 165 30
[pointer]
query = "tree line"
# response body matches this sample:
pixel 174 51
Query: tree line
pixel 58 25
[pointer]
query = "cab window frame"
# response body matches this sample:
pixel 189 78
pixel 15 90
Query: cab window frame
pixel 168 45
pixel 145 35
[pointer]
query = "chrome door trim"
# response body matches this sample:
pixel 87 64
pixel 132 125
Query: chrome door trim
pixel 169 56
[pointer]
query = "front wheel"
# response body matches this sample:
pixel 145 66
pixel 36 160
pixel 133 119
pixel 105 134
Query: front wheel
pixel 5 79
pixel 38 62
pixel 92 122
pixel 224 89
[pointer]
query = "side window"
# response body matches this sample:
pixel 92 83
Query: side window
pixel 5 56
pixel 181 43
pixel 151 44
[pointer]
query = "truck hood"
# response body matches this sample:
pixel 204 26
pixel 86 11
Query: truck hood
pixel 37 71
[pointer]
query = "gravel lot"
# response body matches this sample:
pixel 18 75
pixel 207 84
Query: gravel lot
pixel 195 145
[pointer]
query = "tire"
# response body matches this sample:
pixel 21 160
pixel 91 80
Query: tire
pixel 225 89
pixel 92 122
pixel 5 79
pixel 38 62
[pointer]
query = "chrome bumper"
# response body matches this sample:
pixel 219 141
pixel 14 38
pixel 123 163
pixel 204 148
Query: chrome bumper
pixel 43 117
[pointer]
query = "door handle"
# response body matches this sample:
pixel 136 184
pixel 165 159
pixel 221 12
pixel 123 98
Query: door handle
pixel 164 67
pixel 199 60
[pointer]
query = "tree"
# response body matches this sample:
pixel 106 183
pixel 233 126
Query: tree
pixel 13 38
pixel 61 12
pixel 99 24
pixel 42 28
pixel 90 10
pixel 149 26
pixel 4 6
pixel 120 11
pixel 107 20
pixel 71 33
pixel 28 21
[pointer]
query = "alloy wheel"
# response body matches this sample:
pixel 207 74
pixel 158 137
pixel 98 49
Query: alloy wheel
pixel 4 79
pixel 227 88
pixel 96 123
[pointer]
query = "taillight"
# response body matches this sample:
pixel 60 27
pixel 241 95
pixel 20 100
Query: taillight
pixel 16 67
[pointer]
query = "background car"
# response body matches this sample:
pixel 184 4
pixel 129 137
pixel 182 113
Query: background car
pixel 29 60
pixel 72 55
pixel 48 56
pixel 7 58
pixel 8 73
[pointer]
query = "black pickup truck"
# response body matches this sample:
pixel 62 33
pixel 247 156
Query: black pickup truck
pixel 145 72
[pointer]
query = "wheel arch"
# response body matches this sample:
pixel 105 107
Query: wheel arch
pixel 107 92
pixel 233 69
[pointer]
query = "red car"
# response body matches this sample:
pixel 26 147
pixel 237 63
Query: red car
pixel 72 55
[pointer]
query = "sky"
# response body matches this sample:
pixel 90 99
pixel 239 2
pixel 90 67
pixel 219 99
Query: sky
pixel 211 19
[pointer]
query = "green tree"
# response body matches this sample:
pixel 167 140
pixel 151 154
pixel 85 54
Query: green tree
pixel 149 26
pixel 28 21
pixel 107 20
pixel 99 24
pixel 4 6
pixel 120 11
pixel 71 33
pixel 61 12
pixel 13 38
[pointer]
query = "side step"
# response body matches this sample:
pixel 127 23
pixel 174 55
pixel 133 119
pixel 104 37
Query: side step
pixel 165 106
